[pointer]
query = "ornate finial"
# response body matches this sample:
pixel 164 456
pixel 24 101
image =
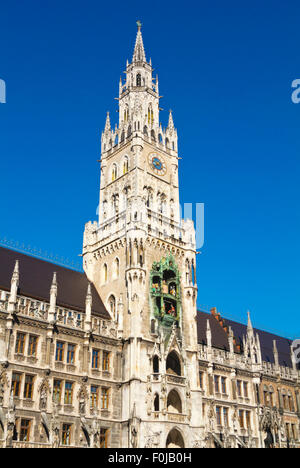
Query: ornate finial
pixel 139 24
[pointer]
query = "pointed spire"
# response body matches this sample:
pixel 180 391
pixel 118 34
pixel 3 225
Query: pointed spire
pixel 14 285
pixel 171 122
pixel 249 326
pixel 16 269
pixel 15 280
pixel 107 123
pixel 208 334
pixel 275 352
pixel 88 309
pixel 53 296
pixel 139 51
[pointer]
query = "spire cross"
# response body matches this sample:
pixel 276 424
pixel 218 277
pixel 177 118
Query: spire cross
pixel 139 24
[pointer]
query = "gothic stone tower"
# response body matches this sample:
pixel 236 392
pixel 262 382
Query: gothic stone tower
pixel 141 258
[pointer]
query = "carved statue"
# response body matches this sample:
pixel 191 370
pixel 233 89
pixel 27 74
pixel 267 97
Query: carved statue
pixel 82 403
pixel 211 417
pixel 134 428
pixel 149 395
pixel 43 398
pixel 55 427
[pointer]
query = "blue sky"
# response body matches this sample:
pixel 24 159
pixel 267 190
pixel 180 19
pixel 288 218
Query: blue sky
pixel 225 68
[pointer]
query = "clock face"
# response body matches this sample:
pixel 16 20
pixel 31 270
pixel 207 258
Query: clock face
pixel 157 164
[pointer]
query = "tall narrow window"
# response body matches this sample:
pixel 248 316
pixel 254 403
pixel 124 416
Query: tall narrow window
pixel 201 380
pixel 239 387
pixel 245 385
pixel 104 274
pixel 60 351
pixel 114 172
pixel 105 360
pixel 95 359
pixel 156 402
pixel 94 396
pixel 116 268
pixel 20 342
pixel 223 383
pixel 248 419
pixel 68 393
pixel 104 398
pixel 138 80
pixel 71 354
pixel 218 415
pixel 217 385
pixel 241 419
pixel 66 434
pixel 25 430
pixel 16 384
pixel 225 416
pixel 155 365
pixel 28 387
pixel 104 438
pixel 32 345
pixel 125 165
pixel 57 391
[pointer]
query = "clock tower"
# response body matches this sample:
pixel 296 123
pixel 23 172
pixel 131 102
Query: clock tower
pixel 141 257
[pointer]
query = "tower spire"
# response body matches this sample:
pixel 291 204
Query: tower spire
pixel 171 121
pixel 107 123
pixel 139 51
pixel 249 327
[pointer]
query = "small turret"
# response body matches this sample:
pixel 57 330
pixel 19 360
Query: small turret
pixel 14 289
pixel 88 310
pixel 53 297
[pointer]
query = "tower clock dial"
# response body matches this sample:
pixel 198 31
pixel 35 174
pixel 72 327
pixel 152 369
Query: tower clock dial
pixel 157 164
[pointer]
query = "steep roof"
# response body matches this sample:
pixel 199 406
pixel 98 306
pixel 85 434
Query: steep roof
pixel 36 277
pixel 220 338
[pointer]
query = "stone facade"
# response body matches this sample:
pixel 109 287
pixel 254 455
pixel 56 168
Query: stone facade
pixel 154 371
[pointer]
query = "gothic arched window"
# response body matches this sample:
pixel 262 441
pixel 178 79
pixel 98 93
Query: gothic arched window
pixel 150 116
pixel 145 130
pixel 114 172
pixel 156 402
pixel 173 364
pixel 116 268
pixel 125 165
pixel 138 80
pixel 112 306
pixel 104 273
pixel 155 365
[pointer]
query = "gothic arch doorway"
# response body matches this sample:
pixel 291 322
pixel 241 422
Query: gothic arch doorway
pixel 175 439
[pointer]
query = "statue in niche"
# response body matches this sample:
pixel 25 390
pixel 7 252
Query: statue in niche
pixel 43 397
